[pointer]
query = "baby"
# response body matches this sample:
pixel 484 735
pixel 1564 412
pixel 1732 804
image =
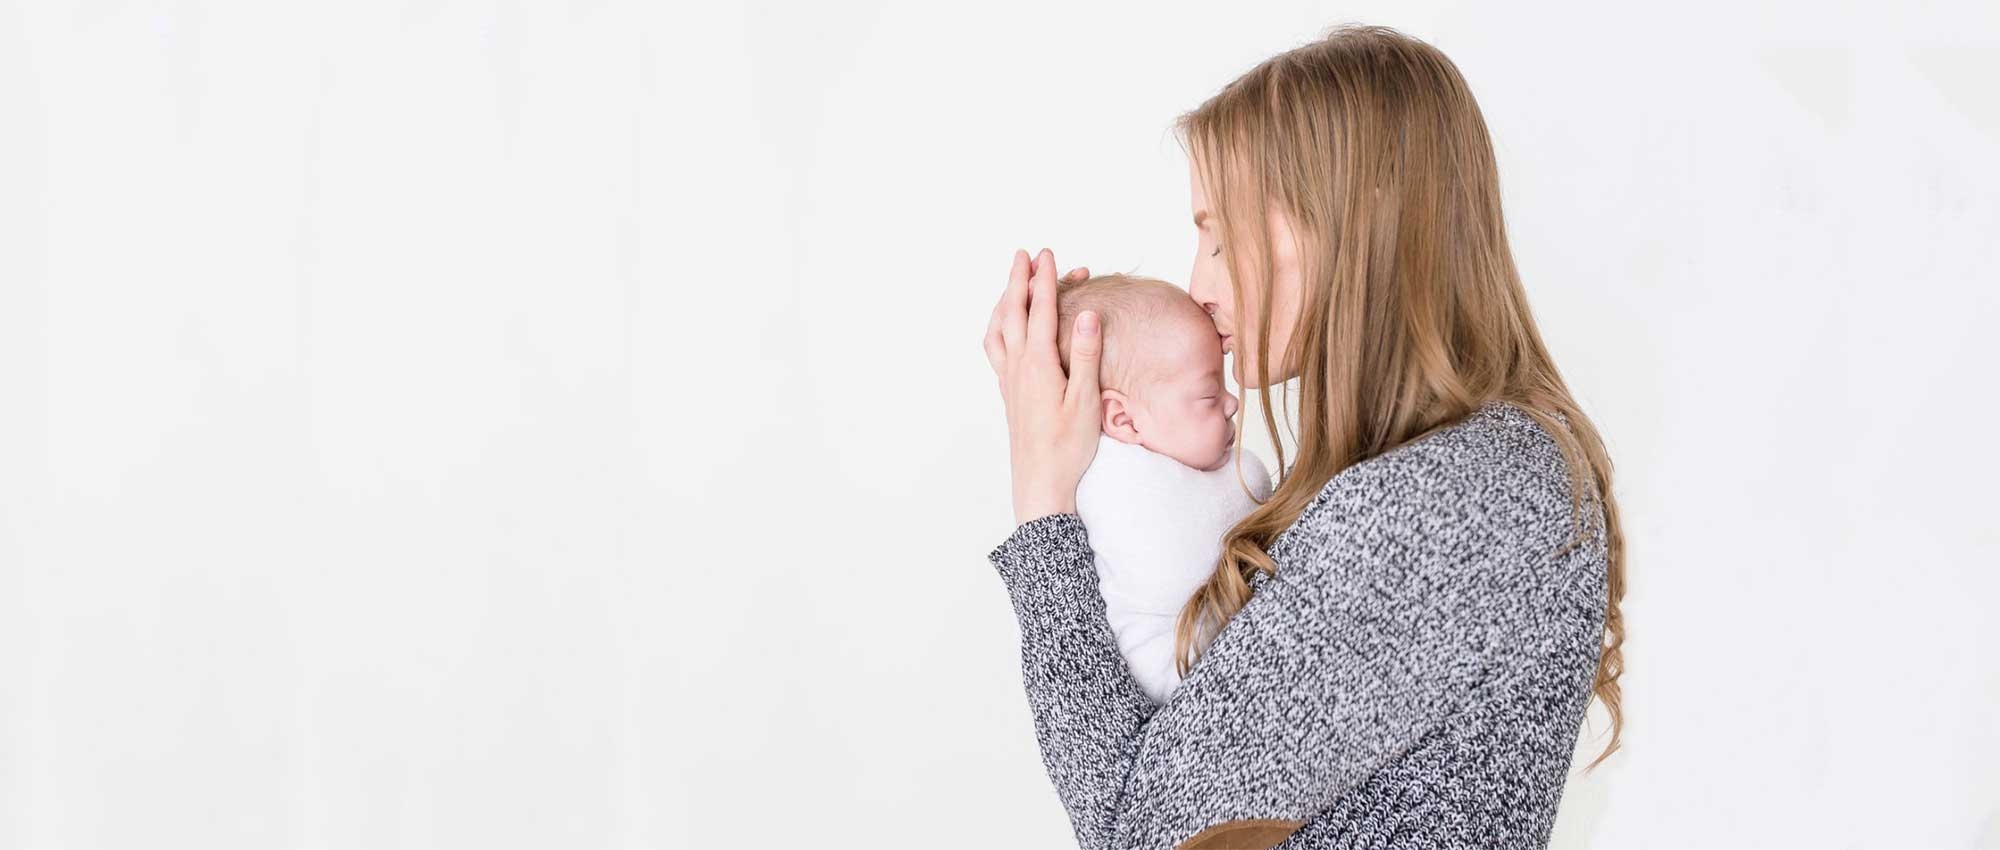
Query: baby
pixel 1163 488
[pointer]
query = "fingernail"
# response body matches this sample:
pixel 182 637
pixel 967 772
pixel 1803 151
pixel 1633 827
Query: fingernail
pixel 1086 323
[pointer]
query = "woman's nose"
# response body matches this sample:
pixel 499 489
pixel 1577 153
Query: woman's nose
pixel 1198 290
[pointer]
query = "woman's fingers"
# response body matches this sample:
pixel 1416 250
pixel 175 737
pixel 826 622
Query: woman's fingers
pixel 1014 303
pixel 993 319
pixel 1086 347
pixel 1051 418
pixel 1042 301
pixel 996 349
pixel 1026 310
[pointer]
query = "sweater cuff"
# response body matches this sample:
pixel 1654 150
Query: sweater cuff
pixel 1049 553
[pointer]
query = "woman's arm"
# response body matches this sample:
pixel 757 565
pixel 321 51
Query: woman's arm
pixel 1393 601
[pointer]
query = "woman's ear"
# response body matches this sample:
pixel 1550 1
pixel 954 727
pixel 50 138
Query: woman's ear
pixel 1118 418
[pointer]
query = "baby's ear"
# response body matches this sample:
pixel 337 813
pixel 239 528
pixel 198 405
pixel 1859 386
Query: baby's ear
pixel 1118 418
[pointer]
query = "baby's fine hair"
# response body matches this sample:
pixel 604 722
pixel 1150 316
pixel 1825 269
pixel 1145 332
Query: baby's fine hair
pixel 1126 306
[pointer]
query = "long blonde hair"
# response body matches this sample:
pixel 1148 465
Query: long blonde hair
pixel 1411 314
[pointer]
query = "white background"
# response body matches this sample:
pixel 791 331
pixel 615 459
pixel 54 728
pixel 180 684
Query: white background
pixel 497 425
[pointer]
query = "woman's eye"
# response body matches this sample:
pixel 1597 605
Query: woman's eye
pixel 1218 250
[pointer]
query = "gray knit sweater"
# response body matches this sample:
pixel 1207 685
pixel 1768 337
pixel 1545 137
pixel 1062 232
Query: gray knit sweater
pixel 1414 675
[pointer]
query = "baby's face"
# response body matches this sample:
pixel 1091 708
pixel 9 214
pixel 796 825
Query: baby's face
pixel 1182 410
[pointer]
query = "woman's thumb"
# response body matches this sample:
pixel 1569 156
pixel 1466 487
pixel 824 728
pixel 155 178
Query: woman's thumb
pixel 1086 348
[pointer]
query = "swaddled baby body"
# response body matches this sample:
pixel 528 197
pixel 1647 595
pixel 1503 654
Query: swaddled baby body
pixel 1162 489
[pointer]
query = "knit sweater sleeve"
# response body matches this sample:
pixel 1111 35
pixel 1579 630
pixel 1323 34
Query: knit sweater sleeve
pixel 1396 595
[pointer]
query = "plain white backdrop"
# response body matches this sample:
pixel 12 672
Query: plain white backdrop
pixel 494 425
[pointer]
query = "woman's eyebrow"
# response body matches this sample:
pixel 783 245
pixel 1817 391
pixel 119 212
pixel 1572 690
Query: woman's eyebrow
pixel 1199 217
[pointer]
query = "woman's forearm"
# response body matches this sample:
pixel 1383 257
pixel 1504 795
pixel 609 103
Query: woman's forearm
pixel 1088 711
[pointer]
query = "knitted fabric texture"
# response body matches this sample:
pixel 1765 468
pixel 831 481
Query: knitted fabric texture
pixel 1414 675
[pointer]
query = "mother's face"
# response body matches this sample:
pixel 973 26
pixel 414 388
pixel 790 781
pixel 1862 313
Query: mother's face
pixel 1213 288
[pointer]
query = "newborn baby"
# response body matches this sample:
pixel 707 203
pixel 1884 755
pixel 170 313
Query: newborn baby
pixel 1163 488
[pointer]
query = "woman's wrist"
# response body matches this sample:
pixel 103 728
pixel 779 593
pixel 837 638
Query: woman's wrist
pixel 1033 506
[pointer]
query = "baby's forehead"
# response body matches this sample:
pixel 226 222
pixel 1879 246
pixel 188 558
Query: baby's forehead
pixel 1178 333
pixel 1173 348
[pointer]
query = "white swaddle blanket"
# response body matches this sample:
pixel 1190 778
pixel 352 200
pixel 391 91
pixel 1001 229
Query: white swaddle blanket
pixel 1156 527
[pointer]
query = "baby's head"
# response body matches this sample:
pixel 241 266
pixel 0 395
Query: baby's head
pixel 1161 373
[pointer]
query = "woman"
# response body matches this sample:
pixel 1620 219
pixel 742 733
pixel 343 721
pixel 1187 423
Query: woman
pixel 1398 647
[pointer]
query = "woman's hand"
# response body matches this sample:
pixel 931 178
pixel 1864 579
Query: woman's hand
pixel 1052 422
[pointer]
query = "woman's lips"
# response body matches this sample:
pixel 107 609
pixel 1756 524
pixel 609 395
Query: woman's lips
pixel 1228 342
